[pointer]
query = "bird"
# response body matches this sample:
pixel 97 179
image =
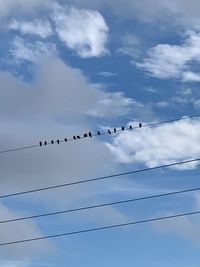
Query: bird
pixel 45 143
pixel 52 142
pixel 131 127
pixel 109 131
pixel 98 133
pixel 115 130
pixel 140 125
pixel 58 142
pixel 40 143
pixel 74 137
pixel 78 137
pixel 90 134
pixel 123 128
pixel 85 135
pixel 65 140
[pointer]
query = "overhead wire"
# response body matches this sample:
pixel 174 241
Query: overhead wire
pixel 97 178
pixel 101 205
pixel 90 134
pixel 89 230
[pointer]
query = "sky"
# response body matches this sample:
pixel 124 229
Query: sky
pixel 70 67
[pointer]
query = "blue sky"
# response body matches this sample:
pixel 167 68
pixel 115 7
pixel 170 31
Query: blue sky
pixel 67 67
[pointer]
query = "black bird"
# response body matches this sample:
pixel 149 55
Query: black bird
pixel 98 133
pixel 74 137
pixel 58 142
pixel 78 137
pixel 40 143
pixel 45 143
pixel 52 142
pixel 90 134
pixel 85 135
pixel 123 128
pixel 65 140
pixel 140 125
pixel 115 130
pixel 109 131
pixel 131 127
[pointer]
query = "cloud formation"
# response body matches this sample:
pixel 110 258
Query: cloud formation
pixel 166 61
pixel 22 50
pixel 160 145
pixel 84 31
pixel 38 27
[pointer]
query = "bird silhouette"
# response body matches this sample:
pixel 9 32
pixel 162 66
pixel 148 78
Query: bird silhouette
pixel 115 130
pixel 45 143
pixel 74 137
pixel 52 142
pixel 123 128
pixel 131 127
pixel 90 134
pixel 85 135
pixel 78 137
pixel 140 125
pixel 98 133
pixel 58 142
pixel 65 140
pixel 40 143
pixel 109 131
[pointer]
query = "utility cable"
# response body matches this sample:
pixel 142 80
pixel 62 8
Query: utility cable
pixel 100 228
pixel 101 205
pixel 89 134
pixel 98 178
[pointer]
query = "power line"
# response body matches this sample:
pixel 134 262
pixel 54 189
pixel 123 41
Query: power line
pixel 100 228
pixel 101 205
pixel 89 134
pixel 98 178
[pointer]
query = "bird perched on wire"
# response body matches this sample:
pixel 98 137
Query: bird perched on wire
pixel 40 143
pixel 109 131
pixel 65 140
pixel 140 125
pixel 74 137
pixel 52 142
pixel 123 128
pixel 45 143
pixel 130 127
pixel 85 135
pixel 98 133
pixel 78 137
pixel 58 142
pixel 90 134
pixel 115 130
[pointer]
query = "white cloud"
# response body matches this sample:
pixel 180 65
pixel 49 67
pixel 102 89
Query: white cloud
pixel 160 145
pixel 84 31
pixel 182 12
pixel 130 46
pixel 22 50
pixel 35 27
pixel 191 76
pixel 55 105
pixel 107 74
pixel 115 104
pixel 9 7
pixel 21 230
pixel 174 61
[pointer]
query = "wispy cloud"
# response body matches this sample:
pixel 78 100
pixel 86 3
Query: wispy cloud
pixel 166 61
pixel 22 50
pixel 38 27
